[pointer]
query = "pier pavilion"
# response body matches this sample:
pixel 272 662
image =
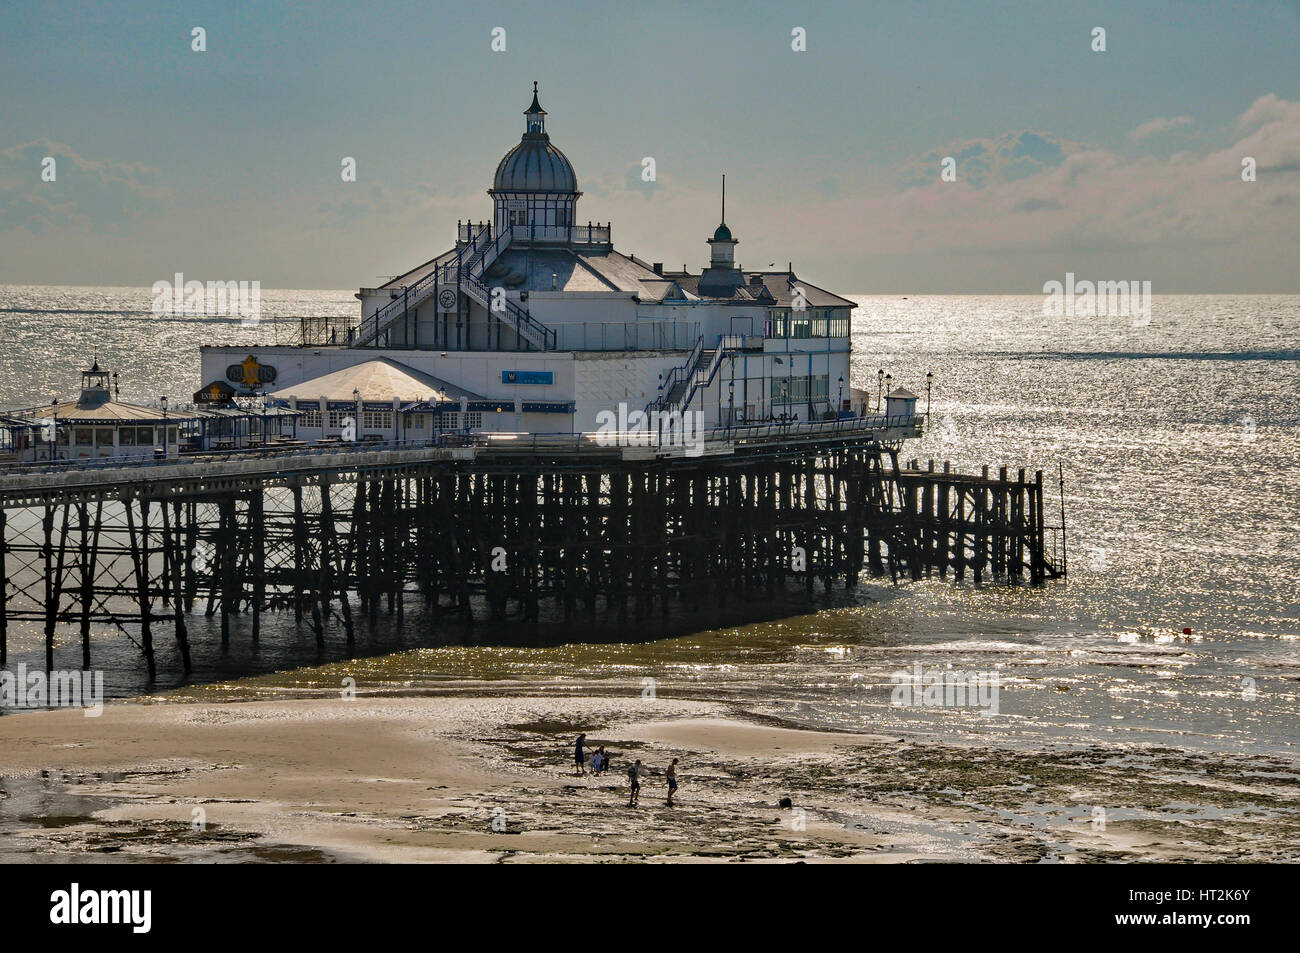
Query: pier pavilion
pixel 535 322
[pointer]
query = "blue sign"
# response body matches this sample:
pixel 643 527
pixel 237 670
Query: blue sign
pixel 527 377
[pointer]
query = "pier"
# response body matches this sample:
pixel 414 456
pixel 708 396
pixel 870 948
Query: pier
pixel 495 526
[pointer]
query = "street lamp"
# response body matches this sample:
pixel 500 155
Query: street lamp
pixel 889 385
pixel 163 401
pixel 929 381
pixel 840 406
pixel 880 383
pixel 53 453
pixel 356 420
pixel 731 404
pixel 785 402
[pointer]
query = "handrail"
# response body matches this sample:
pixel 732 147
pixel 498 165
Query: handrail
pixel 542 335
pixel 727 344
pixel 740 434
pixel 388 313
pixel 681 371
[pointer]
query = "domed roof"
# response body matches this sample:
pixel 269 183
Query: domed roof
pixel 723 234
pixel 535 166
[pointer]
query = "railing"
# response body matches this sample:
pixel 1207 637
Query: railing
pixel 411 295
pixel 530 328
pixel 645 335
pixel 728 344
pixel 467 231
pixel 326 329
pixel 273 460
pixel 678 375
pixel 471 258
pixel 590 234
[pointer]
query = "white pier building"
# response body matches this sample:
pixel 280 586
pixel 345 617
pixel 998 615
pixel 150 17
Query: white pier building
pixel 533 322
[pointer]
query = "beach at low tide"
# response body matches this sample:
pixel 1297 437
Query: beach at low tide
pixel 491 779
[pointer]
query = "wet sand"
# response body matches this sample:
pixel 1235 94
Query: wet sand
pixel 484 779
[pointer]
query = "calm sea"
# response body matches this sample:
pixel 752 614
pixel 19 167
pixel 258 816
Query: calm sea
pixel 1180 440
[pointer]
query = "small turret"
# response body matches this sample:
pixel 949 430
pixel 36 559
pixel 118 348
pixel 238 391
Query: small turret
pixel 721 278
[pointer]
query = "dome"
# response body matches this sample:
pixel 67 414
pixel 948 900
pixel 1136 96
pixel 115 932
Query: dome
pixel 723 234
pixel 535 166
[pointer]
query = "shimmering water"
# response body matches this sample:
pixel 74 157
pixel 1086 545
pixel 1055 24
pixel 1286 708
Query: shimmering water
pixel 1180 441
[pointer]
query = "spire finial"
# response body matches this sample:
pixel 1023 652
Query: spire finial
pixel 724 198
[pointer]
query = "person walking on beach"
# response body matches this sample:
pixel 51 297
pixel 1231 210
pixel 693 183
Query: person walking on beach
pixel 672 781
pixel 634 778
pixel 578 757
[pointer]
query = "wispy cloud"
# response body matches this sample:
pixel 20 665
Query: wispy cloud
pixel 1158 126
pixel 94 195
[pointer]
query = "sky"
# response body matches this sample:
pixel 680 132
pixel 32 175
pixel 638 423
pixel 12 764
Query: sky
pixel 225 164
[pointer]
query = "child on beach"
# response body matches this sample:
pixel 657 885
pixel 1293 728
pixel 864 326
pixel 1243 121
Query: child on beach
pixel 634 778
pixel 597 761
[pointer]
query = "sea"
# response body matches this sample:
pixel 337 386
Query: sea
pixel 1177 437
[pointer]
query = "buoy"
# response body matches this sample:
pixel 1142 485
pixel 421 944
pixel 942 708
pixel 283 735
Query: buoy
pixel 1187 630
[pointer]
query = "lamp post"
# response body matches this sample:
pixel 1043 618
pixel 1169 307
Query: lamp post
pixel 53 453
pixel 163 402
pixel 785 403
pixel 356 420
pixel 264 438
pixel 929 381
pixel 731 404
pixel 840 406
pixel 880 384
pixel 889 385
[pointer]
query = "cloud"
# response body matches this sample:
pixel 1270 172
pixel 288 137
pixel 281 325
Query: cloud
pixel 981 162
pixel 1161 124
pixel 93 195
pixel 1034 192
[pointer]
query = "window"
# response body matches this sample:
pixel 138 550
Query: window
pixel 144 436
pixel 778 324
pixel 377 419
pixel 839 323
pixel 311 419
pixel 518 216
pixel 417 421
pixel 336 419
pixel 806 388
pixel 799 324
pixel 126 437
pixel 819 322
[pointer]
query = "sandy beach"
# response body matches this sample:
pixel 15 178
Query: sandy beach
pixel 485 779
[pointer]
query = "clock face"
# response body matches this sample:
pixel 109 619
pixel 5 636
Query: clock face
pixel 446 299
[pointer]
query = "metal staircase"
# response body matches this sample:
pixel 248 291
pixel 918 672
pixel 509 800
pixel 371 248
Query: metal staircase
pixel 685 381
pixel 465 270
